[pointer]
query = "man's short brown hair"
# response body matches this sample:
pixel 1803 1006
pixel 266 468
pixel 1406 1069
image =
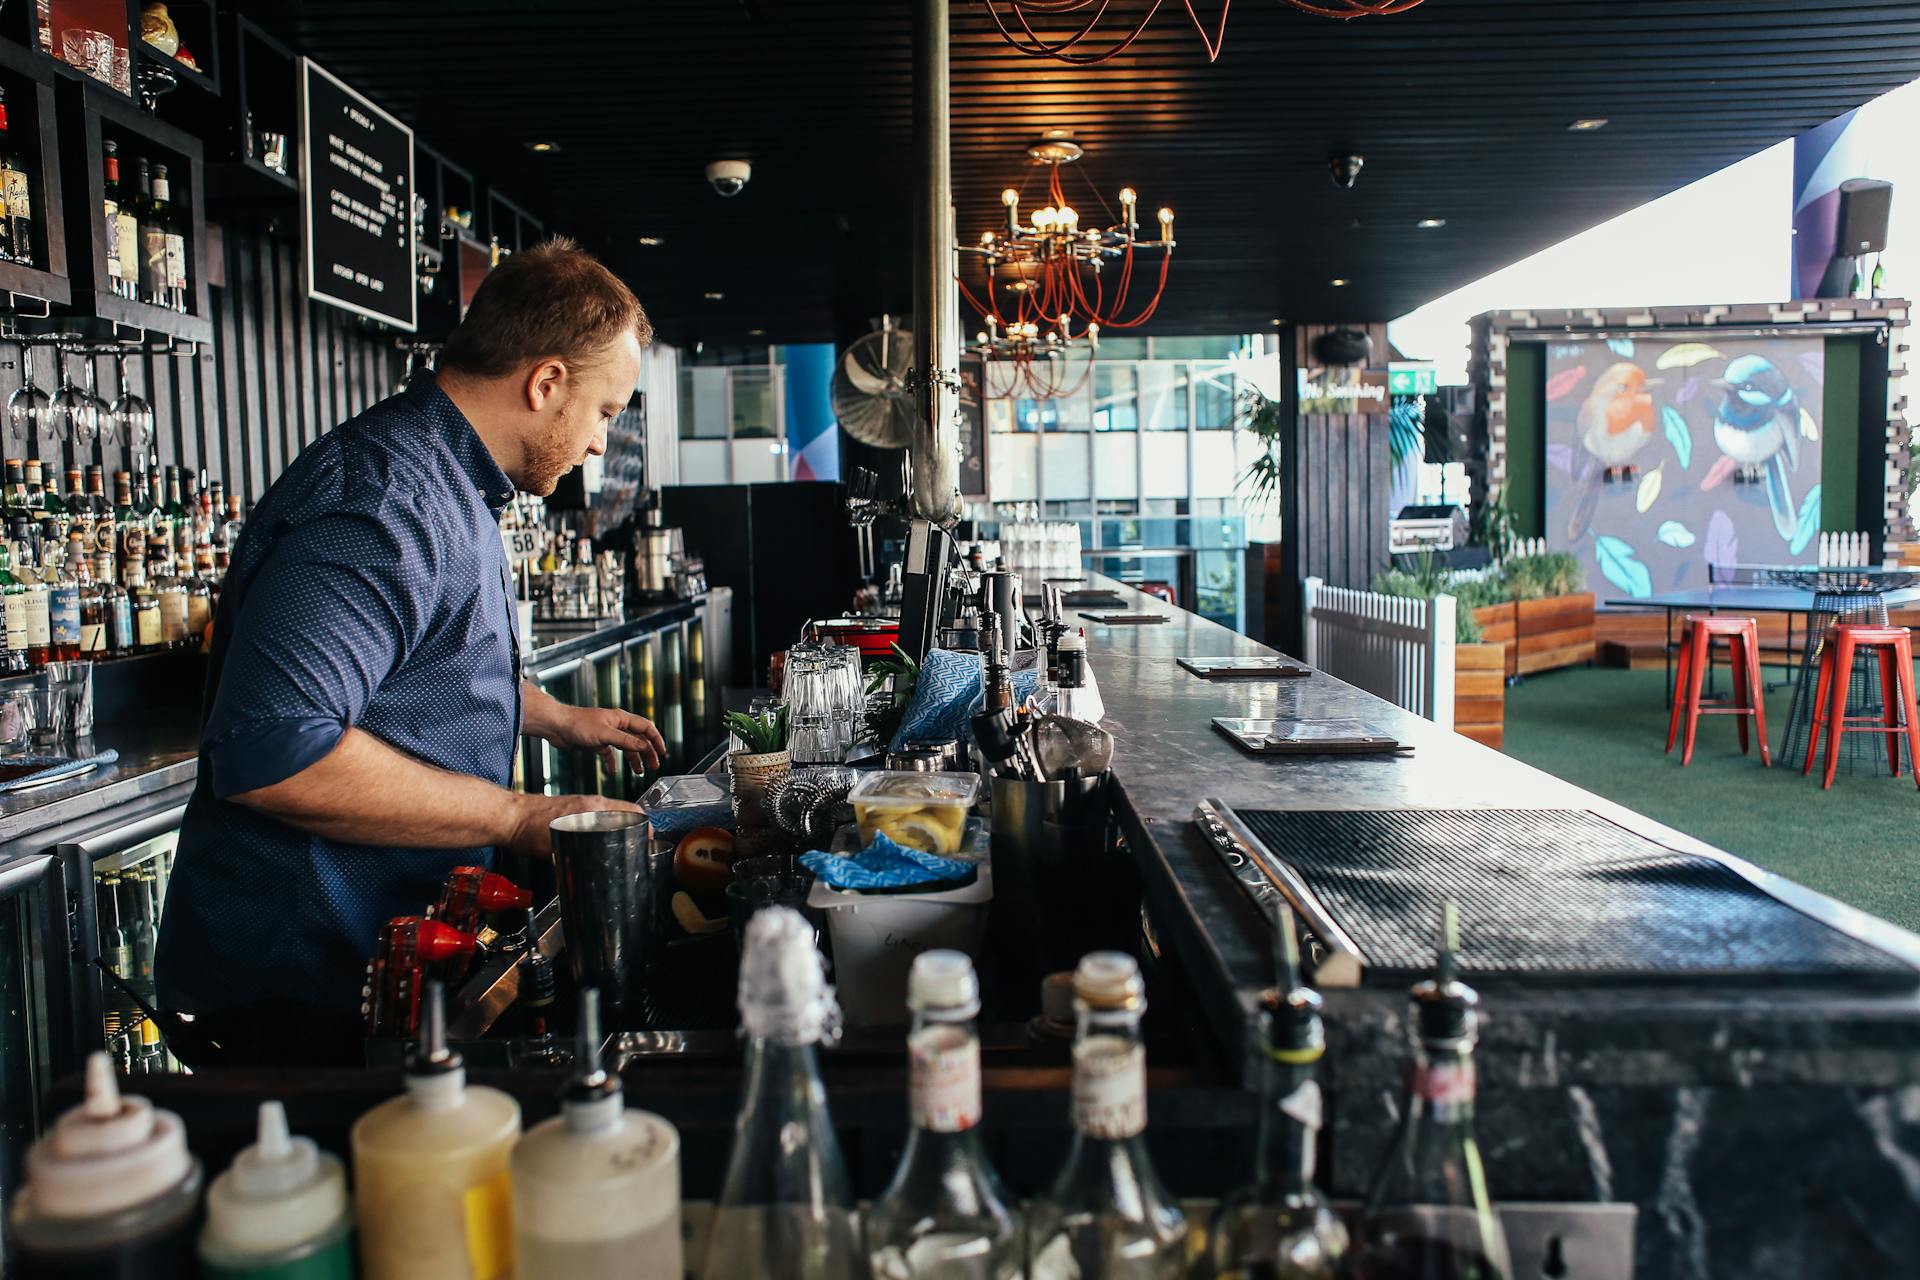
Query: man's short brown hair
pixel 554 299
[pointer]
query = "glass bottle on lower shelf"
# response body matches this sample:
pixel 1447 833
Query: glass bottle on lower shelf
pixel 1429 1216
pixel 1280 1227
pixel 1107 1215
pixel 786 1207
pixel 944 1216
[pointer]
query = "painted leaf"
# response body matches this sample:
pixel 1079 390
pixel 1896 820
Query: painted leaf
pixel 1622 347
pixel 1621 567
pixel 1808 427
pixel 1564 381
pixel 1688 389
pixel 1815 363
pixel 1649 488
pixel 1675 534
pixel 1809 526
pixel 1678 434
pixel 1723 544
pixel 1685 355
pixel 1723 466
pixel 1560 457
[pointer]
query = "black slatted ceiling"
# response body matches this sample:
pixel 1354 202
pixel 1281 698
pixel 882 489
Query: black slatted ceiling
pixel 1460 107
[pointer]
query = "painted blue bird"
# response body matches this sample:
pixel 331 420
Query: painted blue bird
pixel 1758 428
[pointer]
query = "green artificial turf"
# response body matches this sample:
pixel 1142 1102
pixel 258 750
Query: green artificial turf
pixel 1605 729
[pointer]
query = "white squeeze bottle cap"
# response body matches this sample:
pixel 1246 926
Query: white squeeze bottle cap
pixel 279 1193
pixel 108 1154
pixel 943 980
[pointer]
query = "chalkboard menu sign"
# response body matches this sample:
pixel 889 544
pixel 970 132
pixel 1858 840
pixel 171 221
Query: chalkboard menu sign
pixel 356 201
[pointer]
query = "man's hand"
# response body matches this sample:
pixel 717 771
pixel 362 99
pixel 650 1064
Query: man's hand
pixel 534 814
pixel 610 732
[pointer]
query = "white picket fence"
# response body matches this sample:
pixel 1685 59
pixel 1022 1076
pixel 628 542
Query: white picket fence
pixel 1398 649
pixel 1846 550
pixel 1528 547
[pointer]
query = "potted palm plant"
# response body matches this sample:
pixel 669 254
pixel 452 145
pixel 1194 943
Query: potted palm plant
pixel 761 760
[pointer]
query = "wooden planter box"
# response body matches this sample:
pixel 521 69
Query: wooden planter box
pixel 1540 635
pixel 1480 692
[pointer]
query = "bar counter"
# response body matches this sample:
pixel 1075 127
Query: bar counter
pixel 1758 1130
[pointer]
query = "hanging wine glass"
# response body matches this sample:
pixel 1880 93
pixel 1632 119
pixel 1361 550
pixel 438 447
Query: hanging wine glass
pixel 88 420
pixel 70 417
pixel 26 407
pixel 130 412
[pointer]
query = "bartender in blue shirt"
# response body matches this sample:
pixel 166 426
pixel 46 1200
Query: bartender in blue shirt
pixel 364 696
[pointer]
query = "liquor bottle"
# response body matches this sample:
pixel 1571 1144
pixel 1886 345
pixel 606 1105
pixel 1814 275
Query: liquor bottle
pixel 153 238
pixel 171 591
pixel 1279 1227
pixel 279 1212
pixel 94 617
pixel 1107 1214
pixel 154 515
pixel 945 1214
pixel 175 510
pixel 73 1219
pixel 136 915
pixel 1429 1213
pixel 149 1056
pixel 127 232
pixel 199 607
pixel 596 1189
pixel 145 605
pixel 213 498
pixel 99 511
pixel 125 517
pixel 16 503
pixel 234 523
pixel 786 1207
pixel 36 491
pixel 110 224
pixel 63 599
pixel 26 567
pixel 19 195
pixel 173 242
pixel 119 606
pixel 75 513
pixel 13 600
pixel 431 1192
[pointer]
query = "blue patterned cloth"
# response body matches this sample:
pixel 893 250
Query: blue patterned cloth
pixel 370 589
pixel 952 686
pixel 883 865
pixel 671 824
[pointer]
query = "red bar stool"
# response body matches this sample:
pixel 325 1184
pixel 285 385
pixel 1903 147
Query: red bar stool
pixel 1696 654
pixel 1159 591
pixel 1894 647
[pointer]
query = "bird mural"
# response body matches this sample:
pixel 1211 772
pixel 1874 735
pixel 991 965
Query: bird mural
pixel 1757 427
pixel 1613 423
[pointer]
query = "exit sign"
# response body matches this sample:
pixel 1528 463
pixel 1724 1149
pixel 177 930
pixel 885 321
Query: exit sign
pixel 1412 380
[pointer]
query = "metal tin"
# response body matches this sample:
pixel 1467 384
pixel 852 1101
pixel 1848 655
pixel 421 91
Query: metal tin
pixel 609 902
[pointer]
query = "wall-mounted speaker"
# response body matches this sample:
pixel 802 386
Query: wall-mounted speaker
pixel 1865 206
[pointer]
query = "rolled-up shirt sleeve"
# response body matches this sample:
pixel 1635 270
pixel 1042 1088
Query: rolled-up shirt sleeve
pixel 340 602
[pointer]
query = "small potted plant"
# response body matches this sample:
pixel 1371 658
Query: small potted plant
pixel 761 760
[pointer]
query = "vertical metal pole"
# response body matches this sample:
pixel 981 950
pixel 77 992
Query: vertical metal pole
pixel 934 450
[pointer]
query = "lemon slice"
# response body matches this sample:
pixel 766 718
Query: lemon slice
pixel 690 918
pixel 921 831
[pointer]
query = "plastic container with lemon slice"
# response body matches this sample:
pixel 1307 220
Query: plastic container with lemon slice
pixel 926 811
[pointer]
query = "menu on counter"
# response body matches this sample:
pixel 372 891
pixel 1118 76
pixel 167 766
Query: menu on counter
pixel 356 201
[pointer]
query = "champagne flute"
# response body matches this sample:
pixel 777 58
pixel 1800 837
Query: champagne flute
pixel 131 411
pixel 27 407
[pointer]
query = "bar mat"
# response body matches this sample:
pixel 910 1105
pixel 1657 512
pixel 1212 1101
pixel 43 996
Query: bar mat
pixel 1253 667
pixel 1126 619
pixel 23 773
pixel 1554 893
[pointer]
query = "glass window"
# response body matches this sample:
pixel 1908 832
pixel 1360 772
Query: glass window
pixel 703 404
pixel 1208 348
pixel 1073 411
pixel 1163 396
pixel 1123 348
pixel 754 412
pixel 1034 415
pixel 1213 392
pixel 999 414
pixel 1116 397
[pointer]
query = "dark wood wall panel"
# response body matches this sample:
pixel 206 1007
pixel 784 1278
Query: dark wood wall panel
pixel 281 372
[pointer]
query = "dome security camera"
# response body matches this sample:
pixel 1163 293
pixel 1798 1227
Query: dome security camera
pixel 729 177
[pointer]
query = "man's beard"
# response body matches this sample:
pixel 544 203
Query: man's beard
pixel 548 458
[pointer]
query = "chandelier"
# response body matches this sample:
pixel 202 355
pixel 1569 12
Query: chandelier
pixel 1022 36
pixel 1052 281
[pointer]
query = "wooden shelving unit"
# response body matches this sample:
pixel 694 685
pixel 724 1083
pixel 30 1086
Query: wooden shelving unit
pixel 33 288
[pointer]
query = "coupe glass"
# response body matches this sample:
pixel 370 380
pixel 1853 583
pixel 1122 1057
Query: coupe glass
pixel 27 407
pixel 131 413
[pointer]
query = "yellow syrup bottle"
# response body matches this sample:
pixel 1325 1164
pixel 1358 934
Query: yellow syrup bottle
pixel 431 1196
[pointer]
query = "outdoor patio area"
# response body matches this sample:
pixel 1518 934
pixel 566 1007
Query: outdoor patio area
pixel 1605 729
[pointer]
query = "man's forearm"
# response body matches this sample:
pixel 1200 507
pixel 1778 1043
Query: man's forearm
pixel 540 712
pixel 366 792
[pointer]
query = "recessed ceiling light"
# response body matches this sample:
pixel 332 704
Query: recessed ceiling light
pixel 1277 320
pixel 653 242
pixel 1338 282
pixel 1587 124
pixel 543 146
pixel 756 333
pixel 713 295
pixel 1430 223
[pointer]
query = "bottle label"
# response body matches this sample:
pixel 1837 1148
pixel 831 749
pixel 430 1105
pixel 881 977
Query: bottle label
pixel 1109 1087
pixel 128 229
pixel 944 1079
pixel 1304 1106
pixel 489 1216
pixel 199 614
pixel 176 262
pixel 154 241
pixel 63 610
pixel 16 616
pixel 93 637
pixel 113 239
pixel 120 625
pixel 19 201
pixel 1442 1082
pixel 173 616
pixel 147 627
pixel 39 620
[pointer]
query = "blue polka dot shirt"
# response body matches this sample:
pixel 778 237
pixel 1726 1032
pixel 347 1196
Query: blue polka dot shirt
pixel 370 588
